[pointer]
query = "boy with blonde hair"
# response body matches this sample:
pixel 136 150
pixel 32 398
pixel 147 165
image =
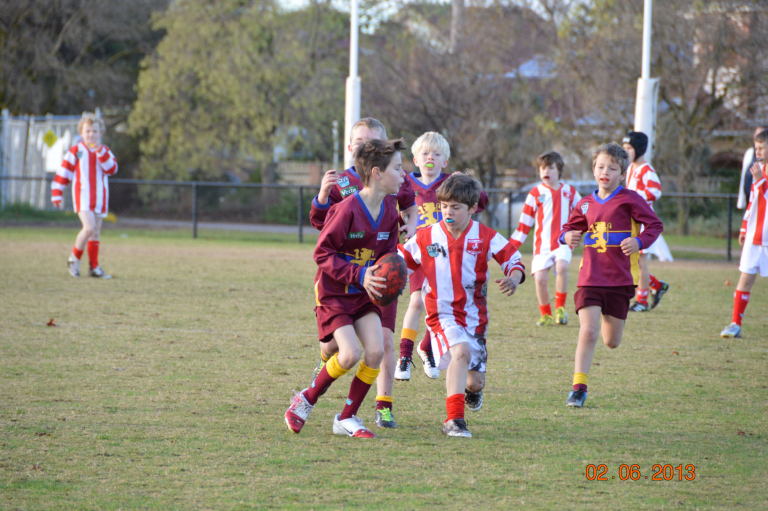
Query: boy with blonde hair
pixel 609 221
pixel 753 237
pixel 88 164
pixel 546 209
pixel 454 255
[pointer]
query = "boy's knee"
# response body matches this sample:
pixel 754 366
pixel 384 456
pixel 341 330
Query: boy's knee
pixel 348 359
pixel 374 355
pixel 612 343
pixel 475 386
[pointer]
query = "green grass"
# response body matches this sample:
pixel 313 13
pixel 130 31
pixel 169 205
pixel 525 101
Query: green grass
pixel 164 388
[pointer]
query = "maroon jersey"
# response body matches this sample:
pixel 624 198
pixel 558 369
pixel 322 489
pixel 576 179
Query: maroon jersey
pixel 605 223
pixel 348 183
pixel 426 199
pixel 351 241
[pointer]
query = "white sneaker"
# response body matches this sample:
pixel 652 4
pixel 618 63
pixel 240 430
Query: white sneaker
pixel 73 265
pixel 731 331
pixel 428 363
pixel 352 426
pixel 98 273
pixel 457 428
pixel 403 371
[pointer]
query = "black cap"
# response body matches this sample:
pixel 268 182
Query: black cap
pixel 638 140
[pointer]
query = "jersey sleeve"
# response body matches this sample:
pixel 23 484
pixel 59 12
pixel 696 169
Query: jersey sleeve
pixel 410 251
pixel 527 218
pixel 330 243
pixel 506 254
pixel 651 186
pixel 406 197
pixel 64 175
pixel 107 161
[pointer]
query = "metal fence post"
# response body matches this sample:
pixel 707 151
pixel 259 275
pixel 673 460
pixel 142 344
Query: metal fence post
pixel 730 220
pixel 298 214
pixel 194 209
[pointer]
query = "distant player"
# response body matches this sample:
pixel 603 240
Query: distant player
pixel 356 232
pixel 334 188
pixel 454 255
pixel 643 179
pixel 753 237
pixel 608 220
pixel 546 209
pixel 88 165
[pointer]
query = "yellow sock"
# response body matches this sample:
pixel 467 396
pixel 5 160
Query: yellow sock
pixel 334 368
pixel 580 378
pixel 386 399
pixel 367 374
pixel 324 357
pixel 409 333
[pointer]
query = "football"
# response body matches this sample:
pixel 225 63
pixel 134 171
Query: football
pixel 391 267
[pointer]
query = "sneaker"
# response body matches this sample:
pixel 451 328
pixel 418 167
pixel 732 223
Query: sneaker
pixel 731 331
pixel 576 398
pixel 473 400
pixel 561 317
pixel 403 371
pixel 298 413
pixel 639 307
pixel 385 419
pixel 98 273
pixel 456 427
pixel 428 363
pixel 656 295
pixel 352 426
pixel 73 265
pixel 545 320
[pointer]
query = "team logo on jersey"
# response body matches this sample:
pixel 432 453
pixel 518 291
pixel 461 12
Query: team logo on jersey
pixel 428 213
pixel 357 235
pixel 435 249
pixel 343 182
pixel 361 257
pixel 473 246
pixel 382 236
pixel 599 232
pixel 348 191
pixel 584 208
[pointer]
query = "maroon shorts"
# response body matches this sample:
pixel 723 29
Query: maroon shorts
pixel 613 301
pixel 329 319
pixel 389 315
pixel 416 280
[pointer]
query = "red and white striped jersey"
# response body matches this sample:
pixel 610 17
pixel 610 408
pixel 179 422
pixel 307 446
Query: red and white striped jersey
pixel 456 272
pixel 88 171
pixel 548 210
pixel 755 224
pixel 645 181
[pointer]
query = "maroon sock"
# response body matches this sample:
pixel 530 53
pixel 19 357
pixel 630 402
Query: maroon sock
pixel 357 391
pixel 426 343
pixel 406 348
pixel 580 386
pixel 383 404
pixel 318 387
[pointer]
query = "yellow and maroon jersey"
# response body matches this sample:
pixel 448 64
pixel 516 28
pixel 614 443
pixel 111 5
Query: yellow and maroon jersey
pixel 350 242
pixel 605 224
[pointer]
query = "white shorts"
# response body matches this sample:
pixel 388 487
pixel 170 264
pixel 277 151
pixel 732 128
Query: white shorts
pixel 547 260
pixel 754 259
pixel 659 249
pixel 456 335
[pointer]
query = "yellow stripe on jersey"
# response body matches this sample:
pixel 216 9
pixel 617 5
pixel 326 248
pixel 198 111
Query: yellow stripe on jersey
pixel 634 259
pixel 366 374
pixel 334 368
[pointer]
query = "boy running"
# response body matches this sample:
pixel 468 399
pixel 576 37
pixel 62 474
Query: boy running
pixel 453 255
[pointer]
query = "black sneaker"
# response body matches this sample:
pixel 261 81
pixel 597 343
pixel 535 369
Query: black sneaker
pixel 656 295
pixel 639 307
pixel 473 400
pixel 576 398
pixel 456 427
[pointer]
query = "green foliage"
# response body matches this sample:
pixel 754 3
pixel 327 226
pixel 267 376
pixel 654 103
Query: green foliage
pixel 227 77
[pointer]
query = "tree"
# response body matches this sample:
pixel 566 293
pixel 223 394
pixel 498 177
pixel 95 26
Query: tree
pixel 231 79
pixel 66 57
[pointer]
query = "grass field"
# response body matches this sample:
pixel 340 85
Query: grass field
pixel 165 387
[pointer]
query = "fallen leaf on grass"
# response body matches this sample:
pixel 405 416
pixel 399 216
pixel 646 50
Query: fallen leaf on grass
pixel 727 283
pixel 675 352
pixel 51 322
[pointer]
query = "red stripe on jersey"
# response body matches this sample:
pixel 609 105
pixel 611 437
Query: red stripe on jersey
pixel 760 225
pixel 61 180
pixel 481 271
pixel 78 189
pixel 539 223
pixel 557 219
pixel 92 180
